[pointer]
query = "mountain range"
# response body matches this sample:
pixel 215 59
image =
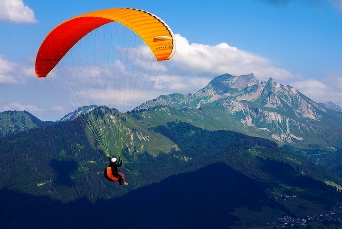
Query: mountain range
pixel 239 103
pixel 265 109
pixel 190 157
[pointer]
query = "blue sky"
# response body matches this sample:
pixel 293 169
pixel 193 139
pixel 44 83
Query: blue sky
pixel 296 42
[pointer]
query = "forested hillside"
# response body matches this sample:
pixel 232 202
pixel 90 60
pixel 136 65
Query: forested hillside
pixel 212 169
pixel 12 122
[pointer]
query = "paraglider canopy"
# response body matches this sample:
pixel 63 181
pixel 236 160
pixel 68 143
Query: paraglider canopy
pixel 153 31
pixel 98 62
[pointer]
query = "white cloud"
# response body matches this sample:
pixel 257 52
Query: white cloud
pixel 123 85
pixel 327 89
pixel 193 59
pixel 122 99
pixel 171 83
pixel 16 11
pixel 58 109
pixel 7 70
pixel 13 73
pixel 134 80
pixel 20 107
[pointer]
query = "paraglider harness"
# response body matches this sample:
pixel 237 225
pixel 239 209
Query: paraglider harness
pixel 108 173
pixel 111 171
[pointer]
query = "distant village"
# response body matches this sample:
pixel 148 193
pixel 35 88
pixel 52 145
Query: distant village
pixel 333 216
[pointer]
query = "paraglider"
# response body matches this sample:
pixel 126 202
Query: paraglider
pixel 154 32
pixel 112 173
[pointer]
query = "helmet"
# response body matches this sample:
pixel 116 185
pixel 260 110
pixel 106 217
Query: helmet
pixel 113 159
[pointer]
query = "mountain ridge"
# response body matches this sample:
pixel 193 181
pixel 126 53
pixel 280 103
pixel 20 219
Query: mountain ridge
pixel 187 152
pixel 266 109
pixel 215 196
pixel 237 103
pixel 212 178
pixel 12 122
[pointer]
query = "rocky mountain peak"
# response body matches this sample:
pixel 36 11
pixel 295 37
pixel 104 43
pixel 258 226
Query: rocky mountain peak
pixel 228 84
pixel 266 107
pixel 331 105
pixel 79 111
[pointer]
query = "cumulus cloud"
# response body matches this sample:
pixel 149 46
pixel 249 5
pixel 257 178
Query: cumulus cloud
pixel 202 60
pixel 123 85
pixel 326 89
pixel 193 62
pixel 123 99
pixel 59 109
pixel 21 107
pixel 173 83
pixel 191 68
pixel 13 73
pixel 7 70
pixel 16 11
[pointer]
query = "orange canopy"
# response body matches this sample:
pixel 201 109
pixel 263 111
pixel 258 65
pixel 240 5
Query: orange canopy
pixel 152 30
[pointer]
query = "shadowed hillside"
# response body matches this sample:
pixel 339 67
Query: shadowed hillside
pixel 213 197
pixel 201 199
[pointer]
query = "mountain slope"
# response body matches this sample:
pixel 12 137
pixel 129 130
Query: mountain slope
pixel 265 109
pixel 186 157
pixel 206 172
pixel 77 113
pixel 331 105
pixel 215 196
pixel 61 158
pixel 12 122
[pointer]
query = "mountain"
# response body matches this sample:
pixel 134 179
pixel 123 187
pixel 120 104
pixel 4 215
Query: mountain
pixel 12 122
pixel 241 152
pixel 205 181
pixel 331 105
pixel 265 109
pixel 215 196
pixel 77 113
